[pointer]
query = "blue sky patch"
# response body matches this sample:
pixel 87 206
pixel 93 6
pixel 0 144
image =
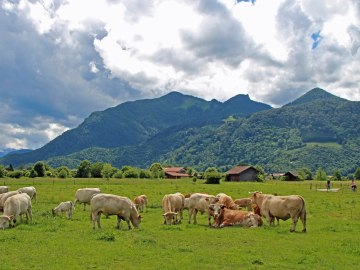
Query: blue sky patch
pixel 316 37
pixel 252 1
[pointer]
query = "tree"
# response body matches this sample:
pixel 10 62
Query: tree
pixel 2 171
pixel 212 176
pixel 305 174
pixel 336 175
pixel 108 170
pixel 40 169
pixel 157 170
pixel 63 172
pixel 320 174
pixel 95 169
pixel 357 174
pixel 84 169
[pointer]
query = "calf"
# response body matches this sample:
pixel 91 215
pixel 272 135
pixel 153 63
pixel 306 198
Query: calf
pixel 229 217
pixel 141 202
pixel 244 203
pixel 67 207
pixel 227 201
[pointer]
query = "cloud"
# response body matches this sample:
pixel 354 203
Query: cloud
pixel 62 60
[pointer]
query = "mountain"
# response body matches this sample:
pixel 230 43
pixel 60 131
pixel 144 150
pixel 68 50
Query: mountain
pixel 13 151
pixel 133 123
pixel 319 132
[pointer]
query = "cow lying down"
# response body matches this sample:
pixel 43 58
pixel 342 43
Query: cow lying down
pixel 228 217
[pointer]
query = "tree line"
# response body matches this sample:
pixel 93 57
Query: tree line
pixel 88 169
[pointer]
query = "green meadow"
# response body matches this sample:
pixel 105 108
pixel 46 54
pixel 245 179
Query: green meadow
pixel 331 240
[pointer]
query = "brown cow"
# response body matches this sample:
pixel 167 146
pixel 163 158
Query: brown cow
pixel 141 202
pixel 282 207
pixel 227 201
pixel 244 203
pixel 228 217
pixel 172 205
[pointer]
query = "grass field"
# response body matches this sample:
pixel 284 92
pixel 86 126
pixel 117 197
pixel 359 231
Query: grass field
pixel 331 241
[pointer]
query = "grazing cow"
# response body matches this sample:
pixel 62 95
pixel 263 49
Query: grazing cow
pixel 229 217
pixel 186 203
pixel 67 207
pixel 173 204
pixel 141 202
pixel 244 203
pixel 281 207
pixel 109 204
pixel 227 201
pixel 4 189
pixel 200 202
pixel 5 196
pixel 84 195
pixel 14 207
pixel 31 191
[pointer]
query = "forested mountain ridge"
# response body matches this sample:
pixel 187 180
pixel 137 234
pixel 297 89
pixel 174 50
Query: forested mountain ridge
pixel 321 132
pixel 135 122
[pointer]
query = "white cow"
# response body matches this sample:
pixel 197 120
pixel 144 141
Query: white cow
pixel 4 189
pixel 5 196
pixel 84 195
pixel 200 202
pixel 14 207
pixel 173 204
pixel 67 207
pixel 31 191
pixel 109 204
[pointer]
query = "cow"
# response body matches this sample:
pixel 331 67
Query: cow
pixel 281 207
pixel 4 189
pixel 67 207
pixel 199 202
pixel 141 202
pixel 173 204
pixel 186 203
pixel 84 195
pixel 5 196
pixel 244 203
pixel 14 207
pixel 228 217
pixel 31 191
pixel 109 204
pixel 227 201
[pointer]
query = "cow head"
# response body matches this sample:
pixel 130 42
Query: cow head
pixel 5 222
pixel 170 218
pixel 216 209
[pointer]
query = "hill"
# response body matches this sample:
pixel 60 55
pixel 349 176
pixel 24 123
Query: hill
pixel 309 132
pixel 133 123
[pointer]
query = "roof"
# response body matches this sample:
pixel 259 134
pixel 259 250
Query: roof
pixel 175 174
pixel 173 169
pixel 240 169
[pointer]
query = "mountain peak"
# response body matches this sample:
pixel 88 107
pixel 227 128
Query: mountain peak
pixel 315 94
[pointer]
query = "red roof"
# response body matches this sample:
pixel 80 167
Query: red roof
pixel 174 169
pixel 174 174
pixel 239 169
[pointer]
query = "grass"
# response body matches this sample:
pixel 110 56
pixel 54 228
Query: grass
pixel 332 240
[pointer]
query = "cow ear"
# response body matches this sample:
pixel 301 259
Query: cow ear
pixel 207 199
pixel 211 206
pixel 164 215
pixel 140 217
pixel 223 206
pixel 11 217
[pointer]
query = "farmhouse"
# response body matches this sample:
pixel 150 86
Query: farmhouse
pixel 288 176
pixel 175 172
pixel 242 174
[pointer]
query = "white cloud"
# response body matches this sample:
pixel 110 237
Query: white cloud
pixel 78 56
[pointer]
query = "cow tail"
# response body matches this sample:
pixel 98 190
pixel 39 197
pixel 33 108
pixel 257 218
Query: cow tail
pixel 303 211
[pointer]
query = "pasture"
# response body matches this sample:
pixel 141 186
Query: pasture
pixel 331 241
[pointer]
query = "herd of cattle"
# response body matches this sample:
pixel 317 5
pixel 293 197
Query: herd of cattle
pixel 221 208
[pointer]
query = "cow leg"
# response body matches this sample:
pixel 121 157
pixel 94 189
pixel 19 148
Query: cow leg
pixel 128 223
pixel 293 225
pixel 118 222
pixel 190 214
pixel 303 220
pixel 84 206
pixel 195 213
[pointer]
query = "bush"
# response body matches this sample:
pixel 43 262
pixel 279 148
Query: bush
pixel 212 177
pixel 15 174
pixel 118 174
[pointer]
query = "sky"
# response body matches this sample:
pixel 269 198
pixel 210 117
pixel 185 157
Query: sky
pixel 61 60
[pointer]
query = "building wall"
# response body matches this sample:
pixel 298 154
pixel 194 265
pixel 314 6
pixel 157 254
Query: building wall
pixel 246 176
